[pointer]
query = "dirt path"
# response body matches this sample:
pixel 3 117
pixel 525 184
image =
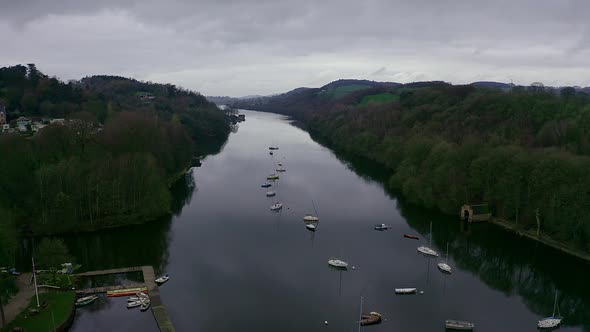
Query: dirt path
pixel 20 301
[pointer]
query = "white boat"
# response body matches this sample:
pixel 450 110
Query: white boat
pixel 310 218
pixel 134 304
pixel 452 324
pixel 382 227
pixel 266 185
pixel 311 227
pixel 86 300
pixel 162 279
pixel 272 177
pixel 276 207
pixel 145 305
pixel 553 321
pixel 270 193
pixel 405 290
pixel 444 267
pixel 281 169
pixel 427 250
pixel 335 262
pixel 134 298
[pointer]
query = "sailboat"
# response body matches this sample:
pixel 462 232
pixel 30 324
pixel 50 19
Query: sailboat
pixel 427 251
pixel 445 267
pixel 553 321
pixel 310 217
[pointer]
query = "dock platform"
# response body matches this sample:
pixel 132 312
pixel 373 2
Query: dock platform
pixel 149 281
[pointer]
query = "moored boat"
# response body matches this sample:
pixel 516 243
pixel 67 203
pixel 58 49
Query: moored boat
pixel 427 251
pixel 162 279
pixel 338 263
pixel 273 147
pixel 272 177
pixel 405 291
pixel 370 318
pixel 281 169
pixel 127 291
pixel 311 227
pixel 444 267
pixel 553 321
pixel 86 300
pixel 145 305
pixel 134 304
pixel 382 227
pixel 453 324
pixel 411 237
pixel 310 218
pixel 276 207
pixel 266 185
pixel 270 193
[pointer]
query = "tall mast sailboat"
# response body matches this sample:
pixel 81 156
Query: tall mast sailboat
pixel 427 250
pixel 553 321
pixel 444 267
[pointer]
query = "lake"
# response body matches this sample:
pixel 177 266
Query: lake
pixel 236 266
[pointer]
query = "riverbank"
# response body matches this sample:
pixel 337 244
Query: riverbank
pixel 20 300
pixel 506 225
pixel 55 313
pixel 544 239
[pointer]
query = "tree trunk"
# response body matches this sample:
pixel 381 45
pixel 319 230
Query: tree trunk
pixel 538 222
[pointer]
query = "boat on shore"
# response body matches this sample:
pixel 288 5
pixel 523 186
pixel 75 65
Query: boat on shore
pixel 382 227
pixel 460 325
pixel 134 304
pixel 145 305
pixel 371 318
pixel 408 236
pixel 405 291
pixel 86 300
pixel 338 263
pixel 162 279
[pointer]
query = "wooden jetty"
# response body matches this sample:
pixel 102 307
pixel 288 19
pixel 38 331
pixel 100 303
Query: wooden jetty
pixel 149 279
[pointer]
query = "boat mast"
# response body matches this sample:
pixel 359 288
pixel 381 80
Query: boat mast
pixel 316 211
pixel 554 304
pixel 430 243
pixel 361 314
pixel 447 259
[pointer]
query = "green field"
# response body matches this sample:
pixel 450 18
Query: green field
pixel 59 304
pixel 382 98
pixel 342 91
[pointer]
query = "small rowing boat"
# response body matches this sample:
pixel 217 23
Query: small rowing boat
pixel 162 279
pixel 452 324
pixel 86 300
pixel 405 291
pixel 382 227
pixel 411 237
pixel 126 292
pixel 370 319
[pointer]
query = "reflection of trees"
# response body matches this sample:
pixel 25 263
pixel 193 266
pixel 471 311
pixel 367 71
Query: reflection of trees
pixel 182 192
pixel 503 261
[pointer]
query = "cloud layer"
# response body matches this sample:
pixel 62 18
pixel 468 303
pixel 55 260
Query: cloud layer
pixel 231 47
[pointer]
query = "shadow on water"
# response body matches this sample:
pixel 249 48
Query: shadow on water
pixel 502 260
pixel 134 245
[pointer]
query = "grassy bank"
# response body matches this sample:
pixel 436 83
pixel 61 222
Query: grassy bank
pixel 58 310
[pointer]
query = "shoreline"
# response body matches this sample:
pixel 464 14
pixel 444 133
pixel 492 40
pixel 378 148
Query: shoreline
pixel 504 224
pixel 543 239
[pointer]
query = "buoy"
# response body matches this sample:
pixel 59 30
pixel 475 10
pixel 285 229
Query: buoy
pixel 353 267
pixel 421 292
pixel 326 322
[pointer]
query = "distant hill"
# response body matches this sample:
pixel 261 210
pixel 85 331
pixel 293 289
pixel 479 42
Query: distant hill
pixel 490 84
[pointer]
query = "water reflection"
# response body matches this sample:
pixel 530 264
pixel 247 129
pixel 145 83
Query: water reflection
pixel 503 261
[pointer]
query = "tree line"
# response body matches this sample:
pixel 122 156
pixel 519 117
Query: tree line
pixel 525 151
pixel 109 163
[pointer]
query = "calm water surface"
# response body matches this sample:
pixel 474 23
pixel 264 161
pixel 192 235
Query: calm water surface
pixel 236 266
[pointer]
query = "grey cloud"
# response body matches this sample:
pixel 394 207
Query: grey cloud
pixel 253 46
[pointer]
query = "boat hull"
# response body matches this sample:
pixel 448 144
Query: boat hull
pixel 336 263
pixel 405 291
pixel 411 237
pixel 459 325
pixel 549 323
pixel 444 268
pixel 427 251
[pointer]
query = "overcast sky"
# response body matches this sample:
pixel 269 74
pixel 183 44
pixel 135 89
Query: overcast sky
pixel 243 47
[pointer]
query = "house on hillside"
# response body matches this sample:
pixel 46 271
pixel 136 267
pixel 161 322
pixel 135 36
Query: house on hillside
pixel 5 127
pixel 145 96
pixel 475 212
pixel 23 124
pixel 2 115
